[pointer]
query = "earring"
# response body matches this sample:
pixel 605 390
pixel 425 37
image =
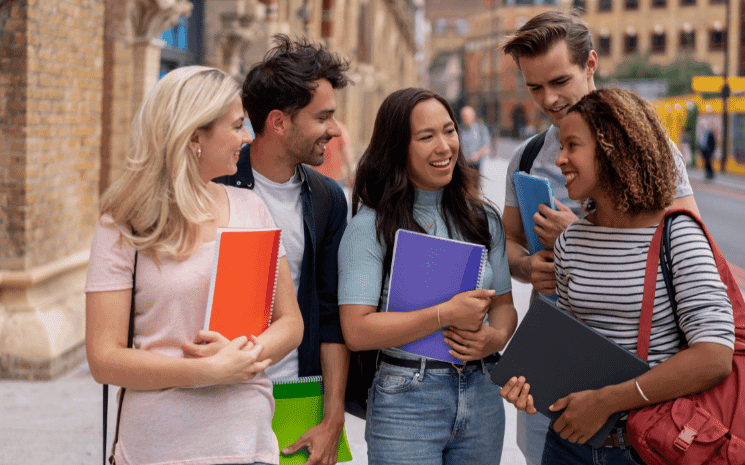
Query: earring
pixel 199 152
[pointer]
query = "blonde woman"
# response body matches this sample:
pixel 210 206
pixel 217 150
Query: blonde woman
pixel 178 408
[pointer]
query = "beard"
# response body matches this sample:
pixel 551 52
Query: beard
pixel 305 150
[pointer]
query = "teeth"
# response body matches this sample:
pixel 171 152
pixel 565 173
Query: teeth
pixel 571 176
pixel 441 164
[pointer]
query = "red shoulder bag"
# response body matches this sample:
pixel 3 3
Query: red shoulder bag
pixel 708 427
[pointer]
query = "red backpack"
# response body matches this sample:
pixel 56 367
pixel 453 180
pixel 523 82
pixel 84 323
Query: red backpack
pixel 708 427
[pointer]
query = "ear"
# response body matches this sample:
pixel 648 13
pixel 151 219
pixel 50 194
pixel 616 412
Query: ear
pixel 277 122
pixel 592 63
pixel 195 141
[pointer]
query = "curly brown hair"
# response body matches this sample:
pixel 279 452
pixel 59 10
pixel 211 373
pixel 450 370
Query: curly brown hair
pixel 635 161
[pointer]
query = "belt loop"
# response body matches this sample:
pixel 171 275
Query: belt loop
pixel 423 365
pixel 619 433
pixel 483 365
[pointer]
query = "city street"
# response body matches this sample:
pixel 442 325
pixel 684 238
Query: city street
pixel 59 422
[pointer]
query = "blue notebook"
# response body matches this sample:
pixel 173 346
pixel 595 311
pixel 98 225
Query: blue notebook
pixel 532 191
pixel 428 270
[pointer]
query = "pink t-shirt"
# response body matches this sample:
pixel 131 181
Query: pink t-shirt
pixel 195 426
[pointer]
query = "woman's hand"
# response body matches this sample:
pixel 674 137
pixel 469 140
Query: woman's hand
pixel 466 310
pixel 584 414
pixel 238 362
pixel 206 344
pixel 517 392
pixel 473 345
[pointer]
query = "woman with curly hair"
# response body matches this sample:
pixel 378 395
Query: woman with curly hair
pixel 413 176
pixel 617 159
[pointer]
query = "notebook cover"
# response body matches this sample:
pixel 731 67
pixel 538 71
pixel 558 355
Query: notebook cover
pixel 532 191
pixel 244 277
pixel 558 354
pixel 428 270
pixel 298 406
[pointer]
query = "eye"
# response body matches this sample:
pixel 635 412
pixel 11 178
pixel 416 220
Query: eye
pixel 427 137
pixel 450 131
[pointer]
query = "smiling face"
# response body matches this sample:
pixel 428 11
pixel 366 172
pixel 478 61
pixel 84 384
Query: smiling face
pixel 577 158
pixel 221 144
pixel 313 127
pixel 555 82
pixel 433 148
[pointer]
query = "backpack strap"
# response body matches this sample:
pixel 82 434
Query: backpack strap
pixel 130 343
pixel 531 151
pixel 319 195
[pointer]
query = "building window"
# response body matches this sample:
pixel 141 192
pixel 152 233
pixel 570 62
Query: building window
pixel 630 44
pixel 183 42
pixel 687 2
pixel 717 2
pixel 605 5
pixel 632 4
pixel 658 42
pixel 580 5
pixel 604 46
pixel 659 3
pixel 688 40
pixel 717 39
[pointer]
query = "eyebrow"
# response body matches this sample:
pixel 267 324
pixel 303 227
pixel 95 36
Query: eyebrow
pixel 433 129
pixel 330 111
pixel 552 81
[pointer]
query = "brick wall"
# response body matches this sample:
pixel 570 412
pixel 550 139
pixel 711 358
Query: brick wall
pixel 12 144
pixel 63 126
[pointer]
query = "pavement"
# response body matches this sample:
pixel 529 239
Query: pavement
pixel 59 421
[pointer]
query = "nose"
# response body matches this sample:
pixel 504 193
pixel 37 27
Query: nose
pixel 549 97
pixel 247 139
pixel 442 143
pixel 334 129
pixel 562 158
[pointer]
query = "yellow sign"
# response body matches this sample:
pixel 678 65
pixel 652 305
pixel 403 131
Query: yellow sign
pixel 714 84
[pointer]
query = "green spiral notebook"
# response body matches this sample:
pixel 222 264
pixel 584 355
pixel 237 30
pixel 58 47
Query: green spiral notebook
pixel 298 406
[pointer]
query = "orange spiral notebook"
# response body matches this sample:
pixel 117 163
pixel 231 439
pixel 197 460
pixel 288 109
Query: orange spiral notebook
pixel 244 278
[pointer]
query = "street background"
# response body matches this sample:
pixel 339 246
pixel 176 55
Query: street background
pixel 59 421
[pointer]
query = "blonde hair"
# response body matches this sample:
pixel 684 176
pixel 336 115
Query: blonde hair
pixel 161 199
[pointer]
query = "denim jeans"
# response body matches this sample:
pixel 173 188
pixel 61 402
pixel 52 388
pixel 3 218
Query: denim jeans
pixel 559 451
pixel 451 416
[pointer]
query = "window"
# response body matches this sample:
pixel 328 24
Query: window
pixel 580 5
pixel 605 5
pixel 659 3
pixel 687 2
pixel 630 44
pixel 717 39
pixel 658 42
pixel 632 4
pixel 688 40
pixel 604 46
pixel 717 2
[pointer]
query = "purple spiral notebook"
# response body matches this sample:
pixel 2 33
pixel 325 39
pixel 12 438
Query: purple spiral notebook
pixel 428 270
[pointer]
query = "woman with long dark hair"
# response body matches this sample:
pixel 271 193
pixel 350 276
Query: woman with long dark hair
pixel 413 176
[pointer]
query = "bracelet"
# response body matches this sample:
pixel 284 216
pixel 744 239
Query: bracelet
pixel 640 390
pixel 438 317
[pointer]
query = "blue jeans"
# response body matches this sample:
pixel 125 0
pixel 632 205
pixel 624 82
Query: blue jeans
pixel 559 451
pixel 434 416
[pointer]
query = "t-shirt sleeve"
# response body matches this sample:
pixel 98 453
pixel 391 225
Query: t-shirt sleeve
pixel 682 184
pixel 111 261
pixel 360 262
pixel 501 281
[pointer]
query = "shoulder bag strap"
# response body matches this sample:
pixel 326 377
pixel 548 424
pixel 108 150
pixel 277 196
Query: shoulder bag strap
pixel 130 343
pixel 531 151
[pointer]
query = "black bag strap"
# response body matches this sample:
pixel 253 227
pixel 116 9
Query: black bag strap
pixel 531 151
pixel 666 266
pixel 319 195
pixel 130 343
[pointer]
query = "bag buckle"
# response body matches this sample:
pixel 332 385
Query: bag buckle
pixel 685 438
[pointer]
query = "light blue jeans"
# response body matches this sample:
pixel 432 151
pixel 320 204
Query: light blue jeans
pixel 434 416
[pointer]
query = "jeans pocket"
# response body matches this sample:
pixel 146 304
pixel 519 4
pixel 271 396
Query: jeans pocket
pixel 395 382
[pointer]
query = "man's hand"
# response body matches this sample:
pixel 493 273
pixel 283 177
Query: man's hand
pixel 550 223
pixel 541 271
pixel 322 442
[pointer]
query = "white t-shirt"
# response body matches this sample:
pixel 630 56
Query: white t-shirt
pixel 286 206
pixel 195 426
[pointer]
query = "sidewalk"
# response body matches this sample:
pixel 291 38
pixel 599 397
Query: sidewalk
pixel 59 422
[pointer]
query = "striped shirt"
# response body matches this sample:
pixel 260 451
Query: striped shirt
pixel 600 279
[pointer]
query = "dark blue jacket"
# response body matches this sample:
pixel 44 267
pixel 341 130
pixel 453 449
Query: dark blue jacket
pixel 317 292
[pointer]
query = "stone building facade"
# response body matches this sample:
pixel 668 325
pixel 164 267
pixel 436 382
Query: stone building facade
pixel 72 75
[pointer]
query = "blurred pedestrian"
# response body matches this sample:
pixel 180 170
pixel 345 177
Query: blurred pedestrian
pixel 157 230
pixel 413 175
pixel 617 159
pixel 553 50
pixel 707 148
pixel 475 139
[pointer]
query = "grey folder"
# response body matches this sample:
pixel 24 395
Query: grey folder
pixel 558 354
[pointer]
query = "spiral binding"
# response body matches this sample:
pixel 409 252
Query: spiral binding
pixel 302 379
pixel 276 279
pixel 482 268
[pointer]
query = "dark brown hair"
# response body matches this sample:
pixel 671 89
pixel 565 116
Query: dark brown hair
pixel 382 182
pixel 544 30
pixel 632 150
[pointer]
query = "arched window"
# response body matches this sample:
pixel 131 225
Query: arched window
pixel 183 42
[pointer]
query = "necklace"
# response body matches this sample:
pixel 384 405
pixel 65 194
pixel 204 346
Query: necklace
pixel 431 223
